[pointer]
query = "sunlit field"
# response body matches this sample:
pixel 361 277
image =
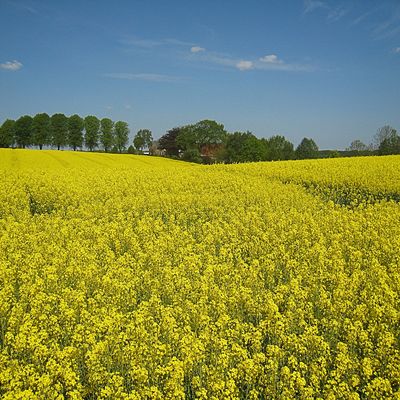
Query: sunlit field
pixel 134 277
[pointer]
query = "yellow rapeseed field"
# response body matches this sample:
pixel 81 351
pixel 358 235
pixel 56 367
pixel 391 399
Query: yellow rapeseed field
pixel 134 277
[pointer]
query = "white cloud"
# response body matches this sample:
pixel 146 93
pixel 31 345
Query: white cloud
pixel 243 65
pixel 143 77
pixel 128 107
pixel 271 59
pixel 11 65
pixel 311 5
pixel 269 62
pixel 396 50
pixel 197 49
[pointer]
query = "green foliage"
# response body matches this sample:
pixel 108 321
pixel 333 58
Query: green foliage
pixel 121 131
pixel 334 154
pixel 75 134
pixel 23 131
pixel 7 133
pixel 168 142
pixel 143 139
pixel 186 138
pixel 357 145
pixel 244 147
pixel 131 150
pixel 192 155
pixel 390 144
pixel 59 130
pixel 92 127
pixel 106 134
pixel 278 148
pixel 41 130
pixel 209 132
pixel 202 133
pixel 230 148
pixel 383 133
pixel 307 149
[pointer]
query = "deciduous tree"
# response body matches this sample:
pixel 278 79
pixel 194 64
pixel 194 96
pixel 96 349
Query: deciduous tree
pixel 23 131
pixel 143 139
pixel 206 132
pixel 168 142
pixel 7 133
pixel 357 145
pixel 41 130
pixel 307 149
pixel 59 130
pixel 385 132
pixel 75 131
pixel 390 144
pixel 278 148
pixel 92 127
pixel 121 131
pixel 107 134
pixel 243 147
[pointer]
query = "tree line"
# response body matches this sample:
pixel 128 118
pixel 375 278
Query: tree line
pixel 61 131
pixel 386 141
pixel 206 141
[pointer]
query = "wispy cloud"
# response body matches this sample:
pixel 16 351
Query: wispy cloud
pixel 146 43
pixel 152 43
pixel 11 65
pixel 312 5
pixel 23 6
pixel 244 65
pixel 383 20
pixel 283 66
pixel 143 77
pixel 198 54
pixel 389 27
pixel 396 50
pixel 333 13
pixel 336 13
pixel 269 62
pixel 271 59
pixel 210 57
pixel 197 49
pixel 177 42
pixel 363 17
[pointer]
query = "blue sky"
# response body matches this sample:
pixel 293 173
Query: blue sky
pixel 316 68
